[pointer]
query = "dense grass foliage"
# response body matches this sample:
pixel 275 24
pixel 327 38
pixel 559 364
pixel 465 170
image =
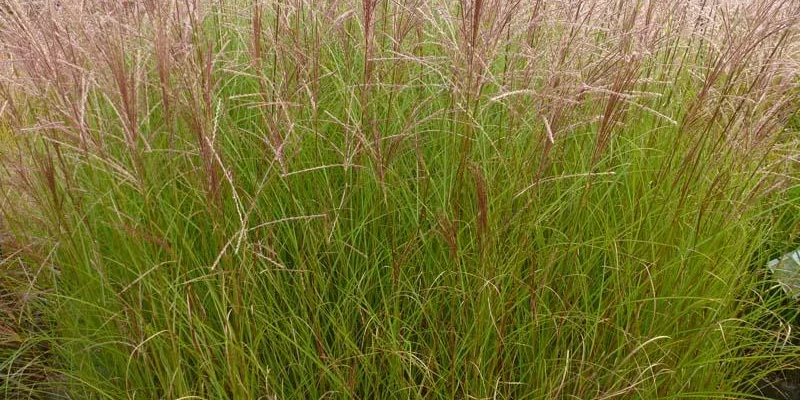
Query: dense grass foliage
pixel 399 199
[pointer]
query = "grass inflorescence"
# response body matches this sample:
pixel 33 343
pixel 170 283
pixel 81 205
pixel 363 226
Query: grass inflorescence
pixel 396 199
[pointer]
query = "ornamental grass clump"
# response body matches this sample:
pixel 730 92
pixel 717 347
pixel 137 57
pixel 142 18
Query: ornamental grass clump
pixel 413 199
